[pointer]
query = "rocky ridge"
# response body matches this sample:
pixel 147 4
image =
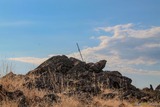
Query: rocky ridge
pixel 70 76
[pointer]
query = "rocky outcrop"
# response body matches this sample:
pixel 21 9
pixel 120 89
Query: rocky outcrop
pixel 70 76
pixel 60 73
pixel 158 88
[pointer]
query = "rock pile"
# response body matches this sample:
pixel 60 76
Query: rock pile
pixel 60 73
pixel 70 76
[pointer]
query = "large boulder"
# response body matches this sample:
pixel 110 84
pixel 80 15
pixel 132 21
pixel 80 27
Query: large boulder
pixel 59 72
pixel 97 67
pixel 60 64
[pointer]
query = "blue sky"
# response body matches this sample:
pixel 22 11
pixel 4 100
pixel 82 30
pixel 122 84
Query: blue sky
pixel 126 33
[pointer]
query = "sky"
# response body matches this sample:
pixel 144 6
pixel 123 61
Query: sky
pixel 124 32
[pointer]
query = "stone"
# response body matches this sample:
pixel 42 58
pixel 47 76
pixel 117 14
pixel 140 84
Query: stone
pixel 158 88
pixel 97 67
pixel 54 64
pixel 116 73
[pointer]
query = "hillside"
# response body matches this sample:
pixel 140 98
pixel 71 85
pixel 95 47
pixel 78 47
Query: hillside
pixel 68 82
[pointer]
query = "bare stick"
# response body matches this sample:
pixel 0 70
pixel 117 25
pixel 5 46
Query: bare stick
pixel 79 51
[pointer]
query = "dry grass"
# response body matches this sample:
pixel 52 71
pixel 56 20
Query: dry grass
pixel 68 102
pixel 8 104
pixel 11 85
pixel 34 93
pixel 65 101
pixel 73 102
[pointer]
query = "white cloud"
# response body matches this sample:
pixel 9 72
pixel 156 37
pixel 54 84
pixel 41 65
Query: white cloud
pixel 138 71
pixel 154 45
pixel 31 60
pixel 116 30
pixel 124 48
pixel 127 30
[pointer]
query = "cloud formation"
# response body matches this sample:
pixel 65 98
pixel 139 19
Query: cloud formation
pixel 125 47
pixel 32 60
